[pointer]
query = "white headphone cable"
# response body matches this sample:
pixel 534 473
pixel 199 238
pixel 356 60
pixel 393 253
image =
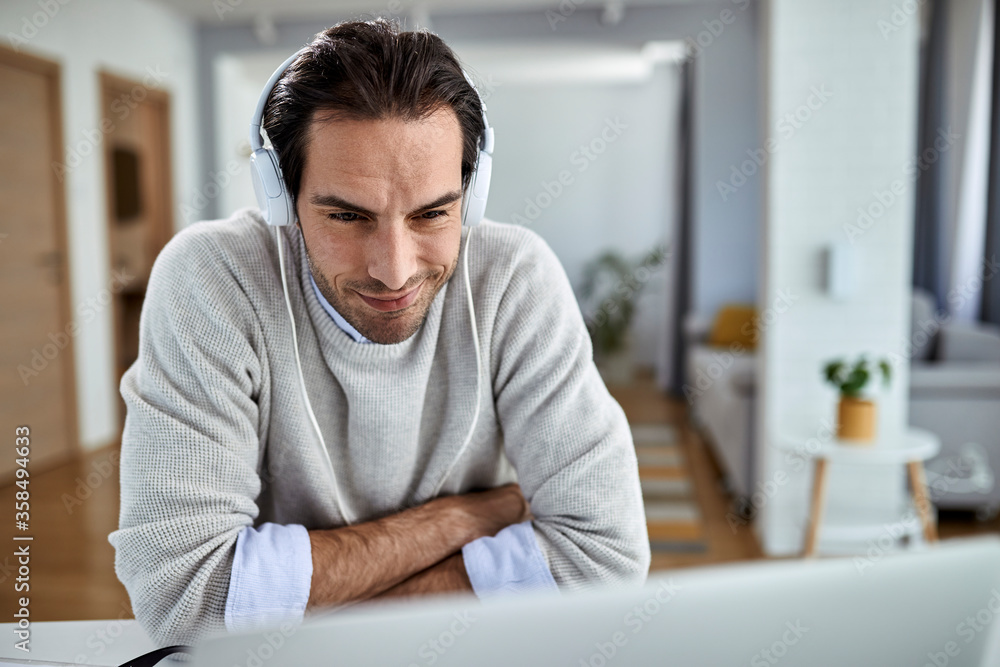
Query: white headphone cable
pixel 479 373
pixel 302 383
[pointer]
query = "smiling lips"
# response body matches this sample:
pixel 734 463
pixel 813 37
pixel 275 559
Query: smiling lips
pixel 389 305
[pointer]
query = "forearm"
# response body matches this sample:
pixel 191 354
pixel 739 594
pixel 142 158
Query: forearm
pixel 356 563
pixel 447 576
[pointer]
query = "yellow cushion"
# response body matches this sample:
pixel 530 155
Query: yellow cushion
pixel 735 323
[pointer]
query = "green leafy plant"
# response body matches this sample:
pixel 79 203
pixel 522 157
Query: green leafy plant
pixel 851 379
pixel 611 286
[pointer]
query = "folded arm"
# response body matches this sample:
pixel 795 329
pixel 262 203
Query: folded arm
pixel 415 551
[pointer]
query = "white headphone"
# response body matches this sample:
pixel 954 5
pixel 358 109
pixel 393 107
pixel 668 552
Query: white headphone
pixel 273 197
pixel 276 205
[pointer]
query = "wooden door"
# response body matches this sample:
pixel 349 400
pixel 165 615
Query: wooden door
pixel 37 383
pixel 136 118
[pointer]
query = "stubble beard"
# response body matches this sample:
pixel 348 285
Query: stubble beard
pixel 378 327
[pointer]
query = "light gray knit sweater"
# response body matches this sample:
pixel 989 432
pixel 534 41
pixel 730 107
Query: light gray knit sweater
pixel 217 436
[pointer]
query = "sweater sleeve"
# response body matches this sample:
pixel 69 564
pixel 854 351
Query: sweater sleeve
pixel 190 445
pixel 565 435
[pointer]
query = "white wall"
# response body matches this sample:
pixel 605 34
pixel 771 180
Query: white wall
pixel 125 37
pixel 856 143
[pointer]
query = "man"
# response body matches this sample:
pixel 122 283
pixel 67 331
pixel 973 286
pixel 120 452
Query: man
pixel 238 510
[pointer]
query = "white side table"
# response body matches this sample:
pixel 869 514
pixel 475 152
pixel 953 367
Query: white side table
pixel 913 448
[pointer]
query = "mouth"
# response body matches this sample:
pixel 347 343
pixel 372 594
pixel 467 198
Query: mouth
pixel 390 305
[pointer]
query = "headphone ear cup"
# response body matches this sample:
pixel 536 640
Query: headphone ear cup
pixel 269 187
pixel 479 188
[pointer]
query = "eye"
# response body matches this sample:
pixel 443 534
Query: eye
pixel 431 215
pixel 345 216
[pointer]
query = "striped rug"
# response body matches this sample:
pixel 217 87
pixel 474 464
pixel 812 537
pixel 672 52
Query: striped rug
pixel 672 514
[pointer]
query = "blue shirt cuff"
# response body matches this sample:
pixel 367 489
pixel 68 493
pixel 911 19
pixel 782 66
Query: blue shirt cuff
pixel 511 562
pixel 271 576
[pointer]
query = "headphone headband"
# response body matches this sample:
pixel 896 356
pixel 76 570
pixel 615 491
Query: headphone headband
pixel 256 138
pixel 272 192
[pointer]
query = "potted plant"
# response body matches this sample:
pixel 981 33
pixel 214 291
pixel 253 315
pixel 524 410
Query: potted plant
pixel 611 286
pixel 856 414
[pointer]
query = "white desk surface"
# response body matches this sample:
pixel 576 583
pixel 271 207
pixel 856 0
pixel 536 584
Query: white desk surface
pixel 104 643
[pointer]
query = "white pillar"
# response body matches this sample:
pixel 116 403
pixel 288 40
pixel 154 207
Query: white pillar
pixel 840 107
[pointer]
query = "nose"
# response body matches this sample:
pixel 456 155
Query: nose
pixel 392 255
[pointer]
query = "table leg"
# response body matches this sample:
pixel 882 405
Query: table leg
pixel 921 499
pixel 816 509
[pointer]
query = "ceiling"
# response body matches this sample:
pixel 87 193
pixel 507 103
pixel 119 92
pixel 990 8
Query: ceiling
pixel 248 10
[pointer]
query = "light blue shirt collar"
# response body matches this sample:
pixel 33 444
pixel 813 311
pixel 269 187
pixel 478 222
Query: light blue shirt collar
pixel 341 322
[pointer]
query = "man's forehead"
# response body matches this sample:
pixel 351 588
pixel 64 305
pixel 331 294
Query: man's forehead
pixel 430 131
pixel 370 162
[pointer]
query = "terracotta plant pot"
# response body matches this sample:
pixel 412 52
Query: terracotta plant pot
pixel 856 420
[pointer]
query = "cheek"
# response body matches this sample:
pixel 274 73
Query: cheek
pixel 336 252
pixel 440 252
pixel 334 257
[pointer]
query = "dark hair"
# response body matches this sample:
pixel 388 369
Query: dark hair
pixel 369 70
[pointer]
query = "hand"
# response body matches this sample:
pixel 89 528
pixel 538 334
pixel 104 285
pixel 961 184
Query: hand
pixel 495 509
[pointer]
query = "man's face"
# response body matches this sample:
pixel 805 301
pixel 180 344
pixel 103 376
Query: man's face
pixel 380 210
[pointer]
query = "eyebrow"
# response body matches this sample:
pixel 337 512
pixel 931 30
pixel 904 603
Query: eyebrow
pixel 333 201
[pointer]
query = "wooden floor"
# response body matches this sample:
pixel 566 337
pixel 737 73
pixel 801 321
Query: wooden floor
pixel 644 404
pixel 75 506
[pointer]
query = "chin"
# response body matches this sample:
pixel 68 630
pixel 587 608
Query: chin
pixel 392 331
pixel 392 328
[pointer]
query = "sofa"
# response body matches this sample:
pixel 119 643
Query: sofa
pixel 954 392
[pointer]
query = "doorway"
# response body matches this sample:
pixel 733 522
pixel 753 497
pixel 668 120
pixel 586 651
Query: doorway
pixel 136 126
pixel 38 386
